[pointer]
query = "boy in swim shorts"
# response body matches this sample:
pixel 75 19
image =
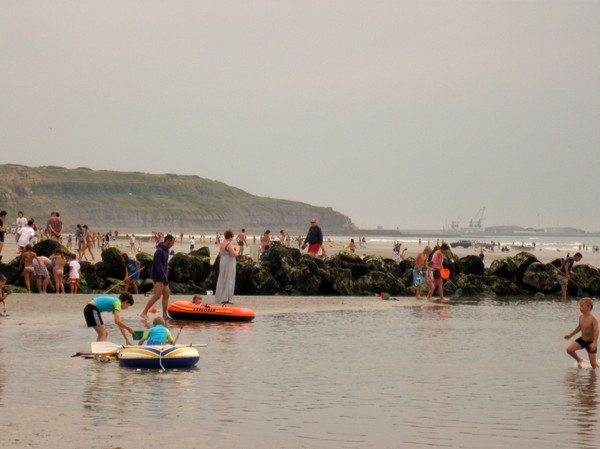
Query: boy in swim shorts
pixel 93 318
pixel 588 326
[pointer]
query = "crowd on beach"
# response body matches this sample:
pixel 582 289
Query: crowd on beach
pixel 428 269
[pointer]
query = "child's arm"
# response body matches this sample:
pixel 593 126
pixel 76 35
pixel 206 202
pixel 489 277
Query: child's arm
pixel 594 345
pixel 577 329
pixel 123 327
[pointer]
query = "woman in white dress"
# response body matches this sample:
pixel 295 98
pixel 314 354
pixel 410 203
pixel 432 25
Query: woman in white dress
pixel 226 280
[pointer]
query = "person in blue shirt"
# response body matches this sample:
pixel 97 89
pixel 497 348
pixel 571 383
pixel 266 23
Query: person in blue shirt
pixel 158 335
pixel 132 272
pixel 93 318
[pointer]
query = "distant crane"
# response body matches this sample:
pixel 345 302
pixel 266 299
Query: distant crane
pixel 477 220
pixel 454 225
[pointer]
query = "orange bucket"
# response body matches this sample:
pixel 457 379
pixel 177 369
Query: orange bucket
pixel 445 273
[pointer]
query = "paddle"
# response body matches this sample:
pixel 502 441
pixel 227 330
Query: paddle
pixel 120 282
pixel 178 334
pixel 105 347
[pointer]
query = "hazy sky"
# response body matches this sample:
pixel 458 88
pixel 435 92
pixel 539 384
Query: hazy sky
pixel 396 113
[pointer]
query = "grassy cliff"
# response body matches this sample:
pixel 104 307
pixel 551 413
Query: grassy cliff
pixel 135 201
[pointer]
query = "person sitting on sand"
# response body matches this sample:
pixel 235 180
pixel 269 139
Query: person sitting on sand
pixel 3 294
pixel 588 326
pixel 158 335
pixel 93 318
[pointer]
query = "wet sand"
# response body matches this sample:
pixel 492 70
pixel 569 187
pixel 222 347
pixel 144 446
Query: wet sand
pixel 48 304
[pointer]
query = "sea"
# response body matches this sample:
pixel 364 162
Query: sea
pixel 479 374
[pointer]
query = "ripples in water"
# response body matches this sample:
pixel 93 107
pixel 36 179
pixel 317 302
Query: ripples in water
pixel 492 375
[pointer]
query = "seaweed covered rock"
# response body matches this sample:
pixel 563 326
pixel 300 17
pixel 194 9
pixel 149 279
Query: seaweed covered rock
pixel 587 278
pixel 379 281
pixel 113 263
pixel 470 265
pixel 504 268
pixel 522 262
pixel 201 252
pixel 541 278
pixel 48 247
pixel 306 276
pixel 145 261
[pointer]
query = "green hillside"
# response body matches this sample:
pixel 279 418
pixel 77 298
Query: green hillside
pixel 142 201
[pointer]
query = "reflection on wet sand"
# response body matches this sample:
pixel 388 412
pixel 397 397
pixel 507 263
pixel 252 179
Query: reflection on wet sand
pixel 583 401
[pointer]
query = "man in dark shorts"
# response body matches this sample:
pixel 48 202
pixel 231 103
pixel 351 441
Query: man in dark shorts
pixel 160 275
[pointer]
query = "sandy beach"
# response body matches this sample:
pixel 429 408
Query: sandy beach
pixel 375 246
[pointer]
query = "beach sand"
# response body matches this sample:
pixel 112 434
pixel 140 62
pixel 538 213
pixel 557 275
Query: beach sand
pixel 374 247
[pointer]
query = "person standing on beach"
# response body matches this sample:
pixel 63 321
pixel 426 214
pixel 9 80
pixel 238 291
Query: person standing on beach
pixel 26 265
pixel 20 223
pixel 58 270
pixel 314 238
pixel 160 275
pixel 54 227
pixel 241 241
pixel 438 263
pixel 2 231
pixel 132 272
pixel 227 266
pixel 89 242
pixel 26 235
pixel 93 318
pixel 590 331
pixel 419 268
pixel 564 274
pixel 80 240
pixel 74 268
pixel 3 294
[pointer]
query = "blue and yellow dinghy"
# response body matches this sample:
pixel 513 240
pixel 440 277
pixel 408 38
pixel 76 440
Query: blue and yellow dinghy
pixel 158 357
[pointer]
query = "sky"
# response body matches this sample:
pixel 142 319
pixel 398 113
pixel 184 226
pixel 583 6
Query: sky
pixel 400 114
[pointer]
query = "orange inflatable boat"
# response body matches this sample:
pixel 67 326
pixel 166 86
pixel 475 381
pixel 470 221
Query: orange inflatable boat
pixel 185 310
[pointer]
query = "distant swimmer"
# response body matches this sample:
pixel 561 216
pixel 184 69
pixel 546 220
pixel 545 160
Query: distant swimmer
pixel 588 326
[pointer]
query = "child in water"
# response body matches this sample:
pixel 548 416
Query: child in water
pixel 588 325
pixel 430 280
pixel 158 335
pixel 3 294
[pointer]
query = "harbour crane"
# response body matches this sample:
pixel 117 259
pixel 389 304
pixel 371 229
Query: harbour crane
pixel 477 220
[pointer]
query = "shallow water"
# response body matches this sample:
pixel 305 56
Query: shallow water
pixel 490 375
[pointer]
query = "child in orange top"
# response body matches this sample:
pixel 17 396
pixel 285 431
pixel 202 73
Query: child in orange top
pixel 588 325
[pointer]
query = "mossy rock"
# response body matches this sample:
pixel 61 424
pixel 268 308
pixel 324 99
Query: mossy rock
pixel 48 247
pixel 113 263
pixel 201 252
